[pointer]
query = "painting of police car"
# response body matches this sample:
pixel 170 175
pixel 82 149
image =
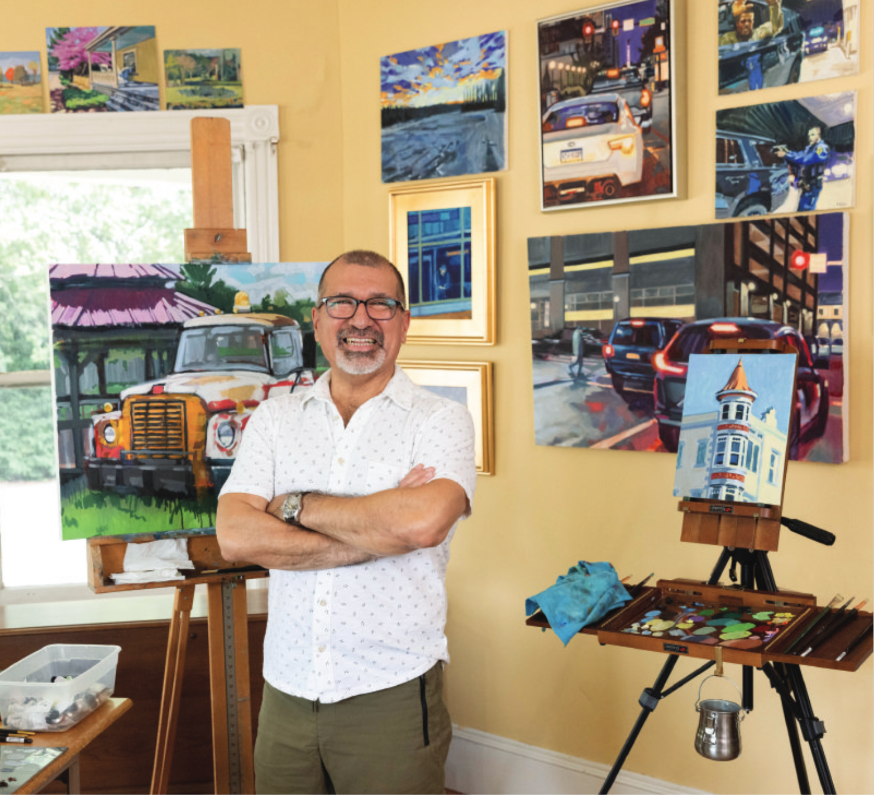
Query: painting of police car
pixel 767 43
pixel 784 157
pixel 606 105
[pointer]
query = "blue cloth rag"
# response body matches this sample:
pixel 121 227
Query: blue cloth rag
pixel 582 596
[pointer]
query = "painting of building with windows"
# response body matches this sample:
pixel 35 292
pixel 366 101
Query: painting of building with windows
pixel 157 369
pixel 645 299
pixel 735 429
pixel 20 83
pixel 103 69
pixel 439 263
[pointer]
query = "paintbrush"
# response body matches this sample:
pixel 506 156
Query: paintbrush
pixel 635 589
pixel 840 621
pixel 829 620
pixel 819 616
pixel 860 636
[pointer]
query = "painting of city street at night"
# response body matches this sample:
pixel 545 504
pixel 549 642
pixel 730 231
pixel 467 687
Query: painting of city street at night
pixel 606 104
pixel 762 44
pixel 444 109
pixel 615 317
pixel 786 157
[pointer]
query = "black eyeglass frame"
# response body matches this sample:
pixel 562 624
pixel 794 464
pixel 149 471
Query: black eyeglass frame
pixel 392 302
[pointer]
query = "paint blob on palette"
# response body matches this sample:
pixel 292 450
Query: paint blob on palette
pixel 712 625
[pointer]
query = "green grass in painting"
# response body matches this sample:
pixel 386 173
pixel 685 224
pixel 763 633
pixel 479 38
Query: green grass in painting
pixel 176 100
pixel 21 99
pixel 98 513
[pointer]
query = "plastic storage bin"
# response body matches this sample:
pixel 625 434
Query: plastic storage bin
pixel 84 678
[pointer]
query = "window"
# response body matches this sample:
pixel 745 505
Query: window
pixel 742 411
pixel 701 453
pixel 720 451
pixel 738 449
pixel 726 411
pixel 680 453
pixel 773 468
pixel 36 150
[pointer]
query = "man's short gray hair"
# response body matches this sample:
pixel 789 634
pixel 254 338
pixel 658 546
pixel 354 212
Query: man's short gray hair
pixel 367 259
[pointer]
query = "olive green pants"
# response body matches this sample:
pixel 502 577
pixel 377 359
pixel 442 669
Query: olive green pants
pixel 390 741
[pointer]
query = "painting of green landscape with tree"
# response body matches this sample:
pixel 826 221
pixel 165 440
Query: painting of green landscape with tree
pixel 209 78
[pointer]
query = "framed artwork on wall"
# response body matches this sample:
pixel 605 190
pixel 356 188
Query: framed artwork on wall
pixel 764 44
pixel 442 240
pixel 469 383
pixel 607 104
pixel 792 156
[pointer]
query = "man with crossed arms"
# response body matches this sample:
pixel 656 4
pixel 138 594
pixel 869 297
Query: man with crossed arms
pixel 350 493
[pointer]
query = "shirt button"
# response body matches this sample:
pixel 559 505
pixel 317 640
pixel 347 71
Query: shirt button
pixel 321 649
pixel 323 603
pixel 340 461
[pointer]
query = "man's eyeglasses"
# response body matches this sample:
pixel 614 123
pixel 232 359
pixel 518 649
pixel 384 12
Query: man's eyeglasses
pixel 342 307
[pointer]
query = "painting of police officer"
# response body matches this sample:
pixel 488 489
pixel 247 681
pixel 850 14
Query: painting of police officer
pixel 766 43
pixel 786 157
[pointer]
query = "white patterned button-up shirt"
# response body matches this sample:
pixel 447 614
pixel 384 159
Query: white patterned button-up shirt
pixel 340 632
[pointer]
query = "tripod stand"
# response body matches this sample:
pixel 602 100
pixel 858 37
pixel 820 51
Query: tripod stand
pixel 786 679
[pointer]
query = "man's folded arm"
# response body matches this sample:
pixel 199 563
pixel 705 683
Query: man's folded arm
pixel 390 522
pixel 247 532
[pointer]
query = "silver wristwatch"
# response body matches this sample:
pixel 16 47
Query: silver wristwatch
pixel 292 506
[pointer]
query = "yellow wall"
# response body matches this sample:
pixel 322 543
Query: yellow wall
pixel 147 60
pixel 546 507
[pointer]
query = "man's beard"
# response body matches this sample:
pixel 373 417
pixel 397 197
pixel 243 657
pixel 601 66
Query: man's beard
pixel 360 362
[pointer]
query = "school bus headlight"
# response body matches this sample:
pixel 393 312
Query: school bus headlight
pixel 109 434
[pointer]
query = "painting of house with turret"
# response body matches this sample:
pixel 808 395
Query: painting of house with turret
pixel 103 69
pixel 735 430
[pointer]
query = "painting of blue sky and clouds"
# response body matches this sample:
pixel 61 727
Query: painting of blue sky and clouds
pixel 444 109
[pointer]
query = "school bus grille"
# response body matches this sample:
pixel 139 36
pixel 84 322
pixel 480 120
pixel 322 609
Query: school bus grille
pixel 158 427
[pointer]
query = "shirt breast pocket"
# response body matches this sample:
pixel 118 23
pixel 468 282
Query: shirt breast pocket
pixel 381 477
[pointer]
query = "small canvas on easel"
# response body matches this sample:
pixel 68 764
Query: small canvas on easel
pixel 735 433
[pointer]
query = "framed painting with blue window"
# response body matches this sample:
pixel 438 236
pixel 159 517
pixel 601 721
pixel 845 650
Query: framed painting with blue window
pixel 469 383
pixel 443 242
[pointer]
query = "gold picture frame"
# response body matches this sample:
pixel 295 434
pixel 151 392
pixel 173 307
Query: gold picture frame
pixel 475 378
pixel 459 310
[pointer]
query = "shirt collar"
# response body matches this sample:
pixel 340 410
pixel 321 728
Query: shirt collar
pixel 400 389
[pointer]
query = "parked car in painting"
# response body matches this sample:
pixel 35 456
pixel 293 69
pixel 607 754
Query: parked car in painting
pixel 763 63
pixel 591 146
pixel 815 40
pixel 672 363
pixel 629 85
pixel 750 178
pixel 561 343
pixel 179 435
pixel 629 350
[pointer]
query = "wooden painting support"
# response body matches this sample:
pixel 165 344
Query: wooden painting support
pixel 735 524
pixel 233 765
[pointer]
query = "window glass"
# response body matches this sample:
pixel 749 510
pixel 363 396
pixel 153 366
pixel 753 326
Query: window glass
pixel 64 217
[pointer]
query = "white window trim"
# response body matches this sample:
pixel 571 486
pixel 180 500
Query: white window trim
pixel 87 141
pixel 79 141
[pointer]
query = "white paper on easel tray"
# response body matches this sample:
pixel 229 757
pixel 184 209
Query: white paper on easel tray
pixel 152 555
pixel 150 575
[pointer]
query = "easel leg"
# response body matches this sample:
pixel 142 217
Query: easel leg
pixel 649 701
pixel 173 672
pixel 233 762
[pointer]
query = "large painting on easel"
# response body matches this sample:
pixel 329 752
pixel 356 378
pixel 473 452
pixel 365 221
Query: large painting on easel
pixel 734 436
pixel 639 302
pixel 157 371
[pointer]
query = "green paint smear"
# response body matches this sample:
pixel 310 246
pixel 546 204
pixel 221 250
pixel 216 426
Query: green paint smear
pixel 733 635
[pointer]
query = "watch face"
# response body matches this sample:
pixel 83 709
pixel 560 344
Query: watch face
pixel 291 507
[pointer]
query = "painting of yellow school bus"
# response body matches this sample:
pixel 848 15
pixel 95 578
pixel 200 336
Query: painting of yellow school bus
pixel 210 78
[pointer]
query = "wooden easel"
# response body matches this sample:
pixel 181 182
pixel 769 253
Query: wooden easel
pixel 227 617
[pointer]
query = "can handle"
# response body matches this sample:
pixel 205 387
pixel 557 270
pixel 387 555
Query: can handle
pixel 712 676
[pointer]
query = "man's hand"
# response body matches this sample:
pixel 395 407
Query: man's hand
pixel 739 7
pixel 419 475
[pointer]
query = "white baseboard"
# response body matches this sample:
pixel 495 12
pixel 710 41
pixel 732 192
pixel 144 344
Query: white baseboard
pixel 485 763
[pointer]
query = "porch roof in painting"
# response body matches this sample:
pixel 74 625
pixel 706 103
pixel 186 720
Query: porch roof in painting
pixel 112 296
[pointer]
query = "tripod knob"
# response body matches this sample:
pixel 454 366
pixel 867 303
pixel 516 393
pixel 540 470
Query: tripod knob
pixel 809 531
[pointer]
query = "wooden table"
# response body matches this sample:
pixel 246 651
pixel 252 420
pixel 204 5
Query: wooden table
pixel 75 740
